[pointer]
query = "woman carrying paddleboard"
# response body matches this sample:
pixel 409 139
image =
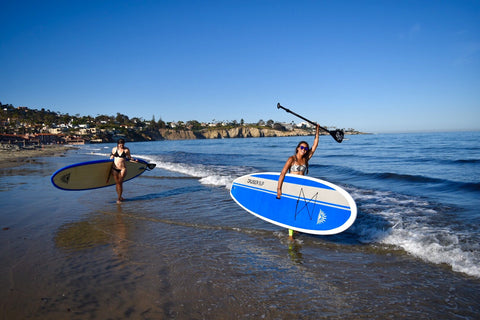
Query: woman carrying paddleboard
pixel 120 154
pixel 298 163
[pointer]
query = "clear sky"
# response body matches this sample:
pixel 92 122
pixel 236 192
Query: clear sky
pixel 376 66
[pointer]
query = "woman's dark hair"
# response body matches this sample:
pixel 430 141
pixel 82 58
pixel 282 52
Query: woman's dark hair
pixel 121 141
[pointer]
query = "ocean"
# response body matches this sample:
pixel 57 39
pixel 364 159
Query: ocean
pixel 180 248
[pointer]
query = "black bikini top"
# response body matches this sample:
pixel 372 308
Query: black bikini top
pixel 123 155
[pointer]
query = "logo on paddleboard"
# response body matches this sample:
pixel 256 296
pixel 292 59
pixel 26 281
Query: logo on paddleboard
pixel 256 182
pixel 65 178
pixel 322 217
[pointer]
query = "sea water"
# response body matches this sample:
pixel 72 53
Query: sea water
pixel 180 247
pixel 418 192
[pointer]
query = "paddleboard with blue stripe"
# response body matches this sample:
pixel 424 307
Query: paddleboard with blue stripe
pixel 307 204
pixel 95 174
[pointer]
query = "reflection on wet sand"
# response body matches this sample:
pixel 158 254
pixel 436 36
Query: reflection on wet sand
pixel 80 235
pixel 294 252
pixel 107 229
pixel 119 242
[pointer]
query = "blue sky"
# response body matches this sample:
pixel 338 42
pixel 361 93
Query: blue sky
pixel 377 66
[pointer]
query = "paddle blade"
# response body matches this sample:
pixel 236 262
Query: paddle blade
pixel 150 166
pixel 337 135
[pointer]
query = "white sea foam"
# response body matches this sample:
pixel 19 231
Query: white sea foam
pixel 213 175
pixel 410 224
pixel 93 153
pixel 436 246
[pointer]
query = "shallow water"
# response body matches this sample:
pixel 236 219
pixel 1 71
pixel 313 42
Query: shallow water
pixel 180 248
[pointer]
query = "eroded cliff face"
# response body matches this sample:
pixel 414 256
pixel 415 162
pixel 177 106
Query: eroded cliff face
pixel 238 132
pixel 170 134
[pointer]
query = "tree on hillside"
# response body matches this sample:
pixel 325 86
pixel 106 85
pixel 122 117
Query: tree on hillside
pixel 194 125
pixel 121 118
pixel 161 124
pixel 278 126
pixel 103 118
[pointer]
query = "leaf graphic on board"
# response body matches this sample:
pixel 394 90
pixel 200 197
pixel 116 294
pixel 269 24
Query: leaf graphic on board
pixel 322 217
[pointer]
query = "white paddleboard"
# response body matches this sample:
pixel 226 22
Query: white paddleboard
pixel 307 204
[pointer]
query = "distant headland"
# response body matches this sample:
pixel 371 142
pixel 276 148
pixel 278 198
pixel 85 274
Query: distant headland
pixel 22 125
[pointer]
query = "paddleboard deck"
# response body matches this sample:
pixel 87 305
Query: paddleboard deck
pixel 307 204
pixel 95 174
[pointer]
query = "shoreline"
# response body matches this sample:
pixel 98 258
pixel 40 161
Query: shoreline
pixel 12 155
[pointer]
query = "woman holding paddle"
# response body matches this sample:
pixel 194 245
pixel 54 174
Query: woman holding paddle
pixel 120 154
pixel 298 163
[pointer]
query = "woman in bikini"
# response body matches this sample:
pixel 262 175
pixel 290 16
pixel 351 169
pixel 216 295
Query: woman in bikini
pixel 120 155
pixel 298 164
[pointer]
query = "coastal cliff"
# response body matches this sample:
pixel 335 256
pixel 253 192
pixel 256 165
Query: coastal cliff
pixel 237 132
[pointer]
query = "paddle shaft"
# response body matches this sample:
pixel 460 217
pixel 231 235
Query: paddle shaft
pixel 303 118
pixel 336 134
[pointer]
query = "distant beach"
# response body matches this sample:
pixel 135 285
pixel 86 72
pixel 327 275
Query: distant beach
pixel 13 155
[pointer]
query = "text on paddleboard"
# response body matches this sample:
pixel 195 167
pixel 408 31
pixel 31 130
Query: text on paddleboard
pixel 256 182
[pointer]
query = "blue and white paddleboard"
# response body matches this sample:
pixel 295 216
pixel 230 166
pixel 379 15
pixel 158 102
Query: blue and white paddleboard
pixel 95 174
pixel 307 204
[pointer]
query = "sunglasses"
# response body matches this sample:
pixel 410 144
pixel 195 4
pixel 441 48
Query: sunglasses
pixel 303 148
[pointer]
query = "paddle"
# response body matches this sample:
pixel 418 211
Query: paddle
pixel 336 134
pixel 150 166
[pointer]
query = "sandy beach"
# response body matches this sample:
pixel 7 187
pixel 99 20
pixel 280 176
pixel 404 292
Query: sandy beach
pixel 11 156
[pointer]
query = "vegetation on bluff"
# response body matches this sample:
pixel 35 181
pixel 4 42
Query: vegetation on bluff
pixel 105 128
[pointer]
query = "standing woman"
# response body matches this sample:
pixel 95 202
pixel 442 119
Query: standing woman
pixel 298 163
pixel 120 154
